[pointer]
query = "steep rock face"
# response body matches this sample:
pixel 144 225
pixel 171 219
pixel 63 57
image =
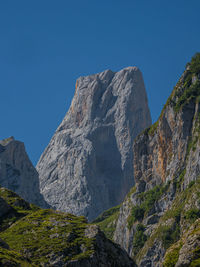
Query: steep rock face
pixel 17 172
pixel 87 166
pixel 166 170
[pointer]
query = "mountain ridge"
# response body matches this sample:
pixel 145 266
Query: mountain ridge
pixel 157 223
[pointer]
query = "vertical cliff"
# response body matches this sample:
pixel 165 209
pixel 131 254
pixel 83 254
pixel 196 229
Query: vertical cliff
pixel 87 166
pixel 166 198
pixel 17 172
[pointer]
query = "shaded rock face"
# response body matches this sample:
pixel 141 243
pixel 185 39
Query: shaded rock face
pixel 3 244
pixel 166 164
pixel 4 207
pixel 107 253
pixel 17 172
pixel 87 166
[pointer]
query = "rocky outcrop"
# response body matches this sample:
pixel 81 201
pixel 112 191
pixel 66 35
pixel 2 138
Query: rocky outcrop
pixel 165 199
pixel 87 166
pixel 107 253
pixel 37 237
pixel 17 172
pixel 186 251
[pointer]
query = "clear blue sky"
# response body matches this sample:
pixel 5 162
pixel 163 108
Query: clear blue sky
pixel 46 45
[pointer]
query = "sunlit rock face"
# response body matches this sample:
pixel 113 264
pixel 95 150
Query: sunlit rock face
pixel 88 165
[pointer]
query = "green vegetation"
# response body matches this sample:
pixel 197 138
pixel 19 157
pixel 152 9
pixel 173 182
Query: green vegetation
pixel 192 214
pixel 168 230
pixel 171 257
pixel 180 179
pixel 153 128
pixel 191 184
pixel 106 214
pixel 184 96
pixel 45 232
pixel 191 145
pixel 139 239
pixel 41 233
pixel 170 234
pixel 131 192
pixel 192 92
pixel 137 214
pixel 12 258
pixel 107 221
pixel 150 197
pixel 16 202
pixel 148 200
pixel 172 254
pixel 195 64
pixel 183 92
pixel 18 208
pixel 196 258
pixel 195 263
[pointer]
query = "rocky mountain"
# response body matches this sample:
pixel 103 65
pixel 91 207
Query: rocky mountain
pixel 17 172
pixel 87 166
pixel 158 223
pixel 30 236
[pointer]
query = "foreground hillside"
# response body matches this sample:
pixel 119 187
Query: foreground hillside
pixel 158 221
pixel 30 236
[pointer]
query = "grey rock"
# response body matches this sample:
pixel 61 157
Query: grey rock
pixel 87 166
pixel 107 253
pixel 191 244
pixel 153 256
pixel 163 153
pixel 17 172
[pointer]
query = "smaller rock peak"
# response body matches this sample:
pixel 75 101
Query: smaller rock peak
pixel 6 141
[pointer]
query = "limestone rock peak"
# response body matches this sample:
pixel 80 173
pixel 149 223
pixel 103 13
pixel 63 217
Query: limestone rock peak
pixel 87 166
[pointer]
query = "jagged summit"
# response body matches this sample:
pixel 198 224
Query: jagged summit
pixel 108 73
pixel 87 166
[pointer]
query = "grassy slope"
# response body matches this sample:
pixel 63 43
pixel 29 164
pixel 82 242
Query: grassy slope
pixel 107 221
pixel 41 234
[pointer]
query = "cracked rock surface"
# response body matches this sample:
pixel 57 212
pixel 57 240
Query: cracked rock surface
pixel 87 166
